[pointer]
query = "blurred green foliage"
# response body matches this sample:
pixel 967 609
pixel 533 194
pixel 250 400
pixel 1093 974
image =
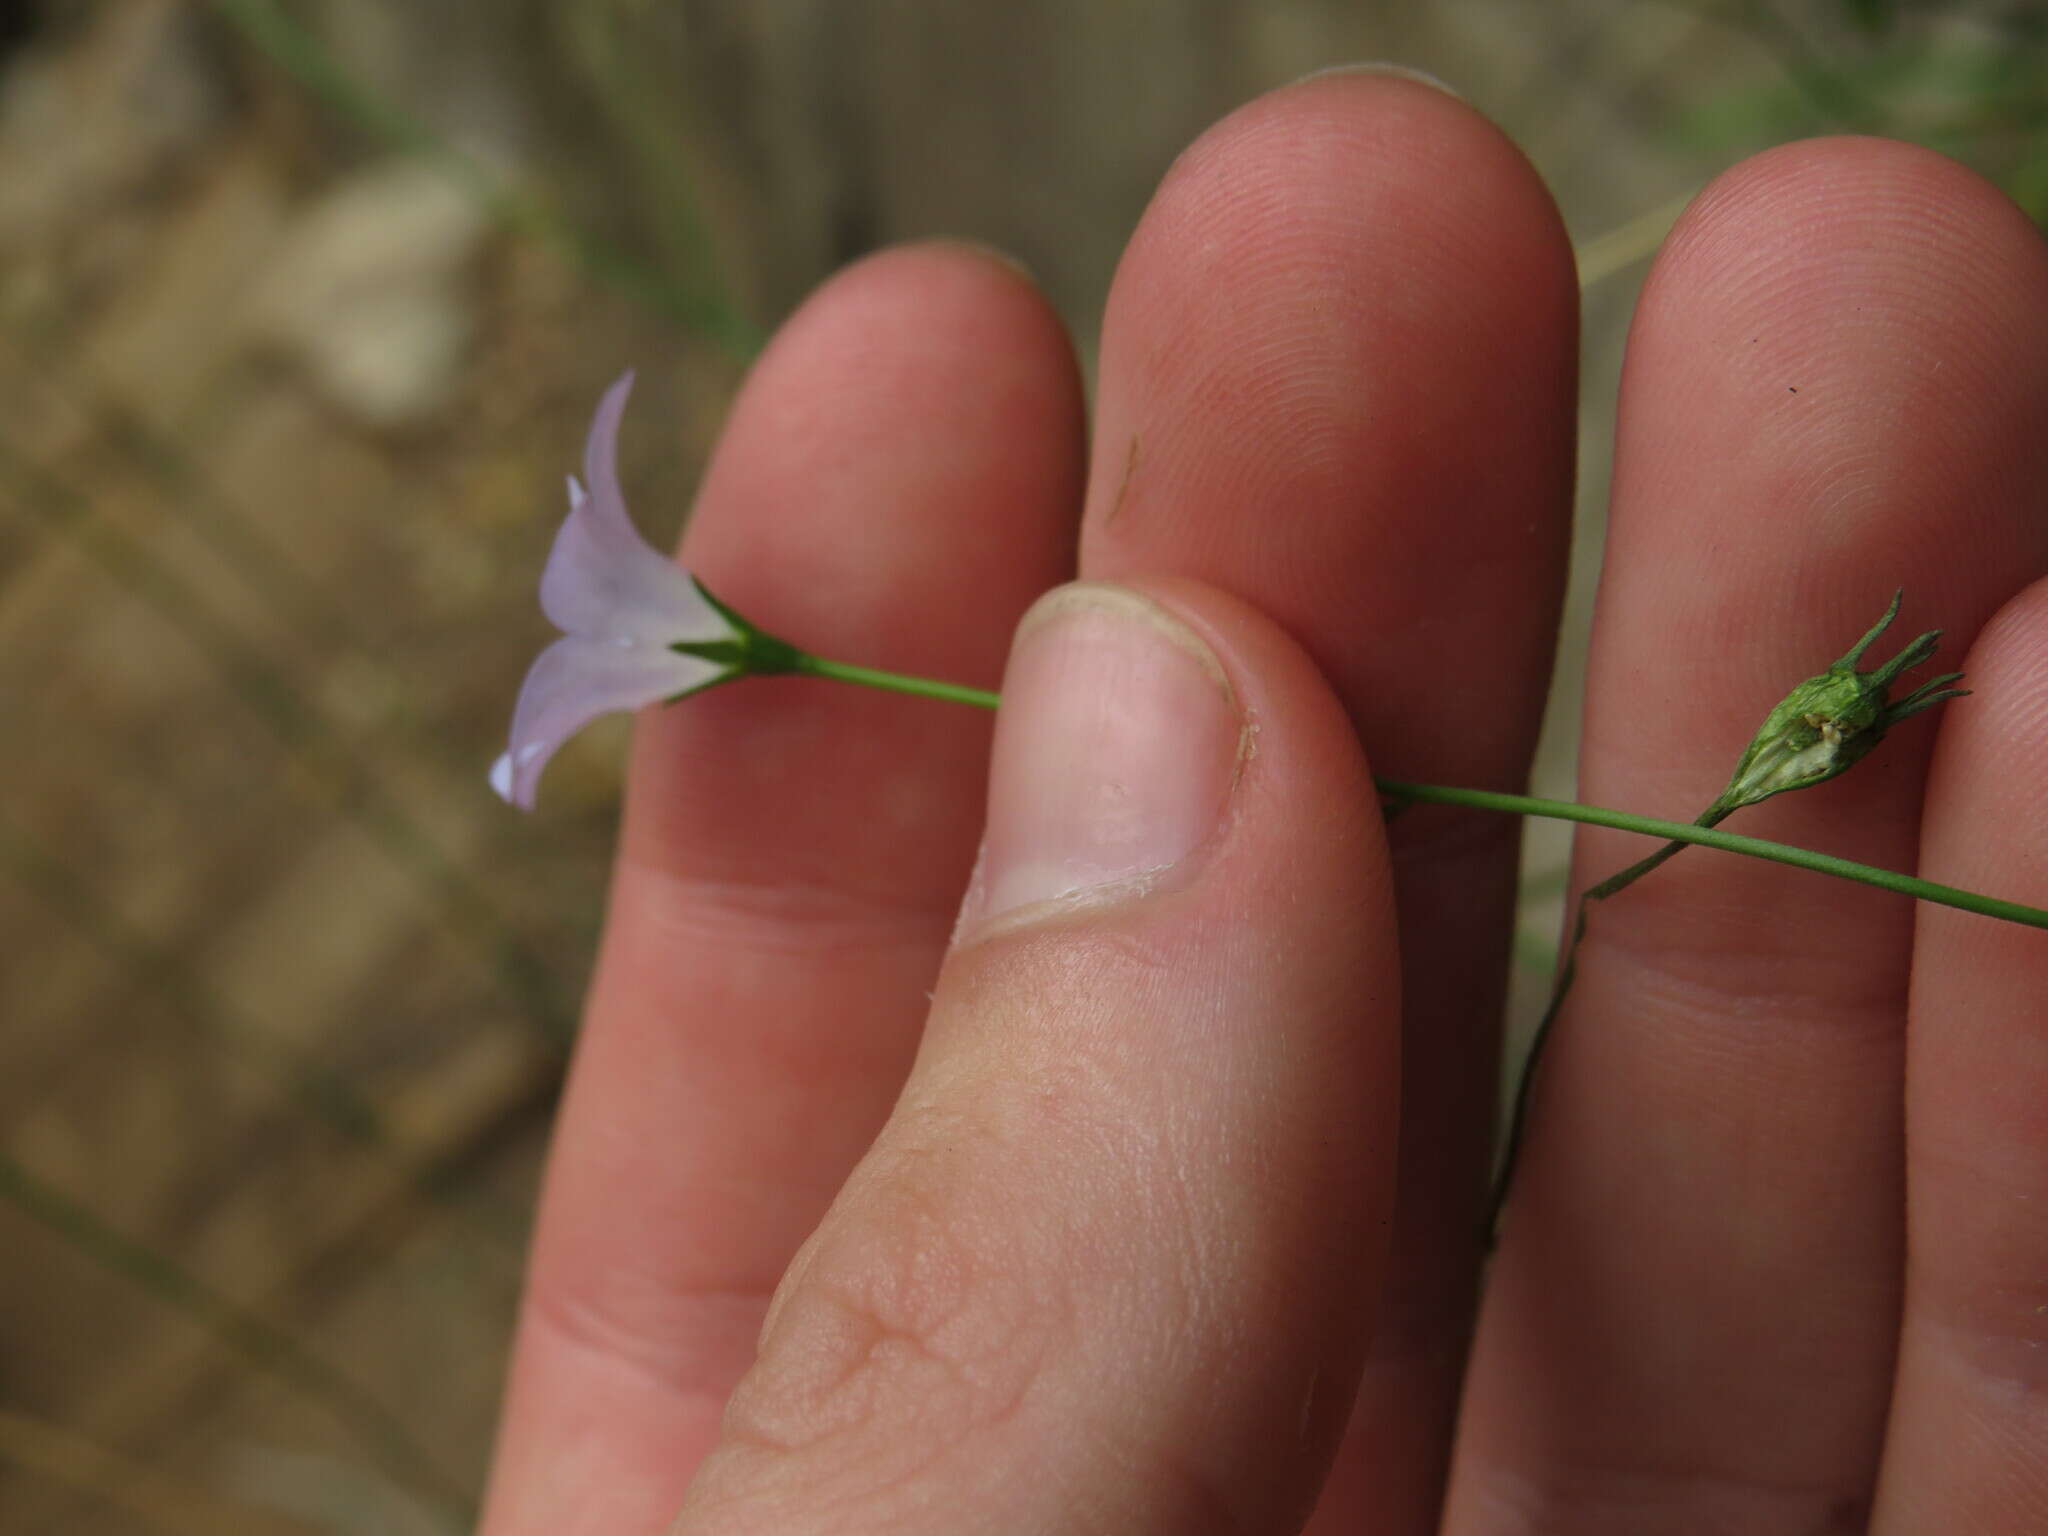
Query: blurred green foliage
pixel 1968 80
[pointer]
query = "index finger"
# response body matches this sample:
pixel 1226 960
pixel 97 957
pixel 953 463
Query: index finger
pixel 897 481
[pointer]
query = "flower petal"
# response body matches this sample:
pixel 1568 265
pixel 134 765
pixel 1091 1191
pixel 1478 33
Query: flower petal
pixel 574 681
pixel 602 579
pixel 601 456
pixel 609 585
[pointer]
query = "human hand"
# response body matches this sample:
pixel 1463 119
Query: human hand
pixel 1113 1229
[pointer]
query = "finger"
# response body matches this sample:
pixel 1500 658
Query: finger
pixel 1337 379
pixel 1833 387
pixel 1103 1268
pixel 1970 1410
pixel 898 480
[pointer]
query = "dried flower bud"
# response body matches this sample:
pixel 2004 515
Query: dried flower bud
pixel 1830 722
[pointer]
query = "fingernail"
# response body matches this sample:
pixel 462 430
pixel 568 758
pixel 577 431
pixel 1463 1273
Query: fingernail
pixel 1383 67
pixel 1115 753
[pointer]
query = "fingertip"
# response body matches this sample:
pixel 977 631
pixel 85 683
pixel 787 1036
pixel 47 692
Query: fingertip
pixel 1305 184
pixel 898 479
pixel 1333 294
pixel 916 426
pixel 1413 125
pixel 1831 196
pixel 1983 794
pixel 1819 266
pixel 1357 213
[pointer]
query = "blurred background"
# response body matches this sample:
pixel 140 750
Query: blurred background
pixel 304 306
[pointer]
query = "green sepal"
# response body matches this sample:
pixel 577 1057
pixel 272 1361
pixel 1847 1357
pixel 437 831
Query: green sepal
pixel 749 650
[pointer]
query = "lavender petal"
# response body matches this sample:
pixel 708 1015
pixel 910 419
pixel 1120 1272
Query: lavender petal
pixel 601 460
pixel 604 581
pixel 574 681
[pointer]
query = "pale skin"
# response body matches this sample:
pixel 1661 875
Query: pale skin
pixel 1161 1212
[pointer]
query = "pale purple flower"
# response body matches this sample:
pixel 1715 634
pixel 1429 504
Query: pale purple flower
pixel 622 608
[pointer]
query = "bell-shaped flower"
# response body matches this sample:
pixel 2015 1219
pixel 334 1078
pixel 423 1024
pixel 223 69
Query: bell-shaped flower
pixel 636 628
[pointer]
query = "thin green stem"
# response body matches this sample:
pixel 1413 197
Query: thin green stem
pixel 894 682
pixel 1401 791
pixel 1727 842
pixel 1567 972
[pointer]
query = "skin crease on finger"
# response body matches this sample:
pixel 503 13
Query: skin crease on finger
pixel 1834 387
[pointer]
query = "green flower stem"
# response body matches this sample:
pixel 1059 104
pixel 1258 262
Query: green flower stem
pixel 1403 792
pixel 1819 730
pixel 893 682
pixel 1727 842
pixel 1678 835
pixel 1567 971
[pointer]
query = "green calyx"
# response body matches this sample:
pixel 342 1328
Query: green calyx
pixel 748 650
pixel 1829 723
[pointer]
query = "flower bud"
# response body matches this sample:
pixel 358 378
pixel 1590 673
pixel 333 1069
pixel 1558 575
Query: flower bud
pixel 1830 722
